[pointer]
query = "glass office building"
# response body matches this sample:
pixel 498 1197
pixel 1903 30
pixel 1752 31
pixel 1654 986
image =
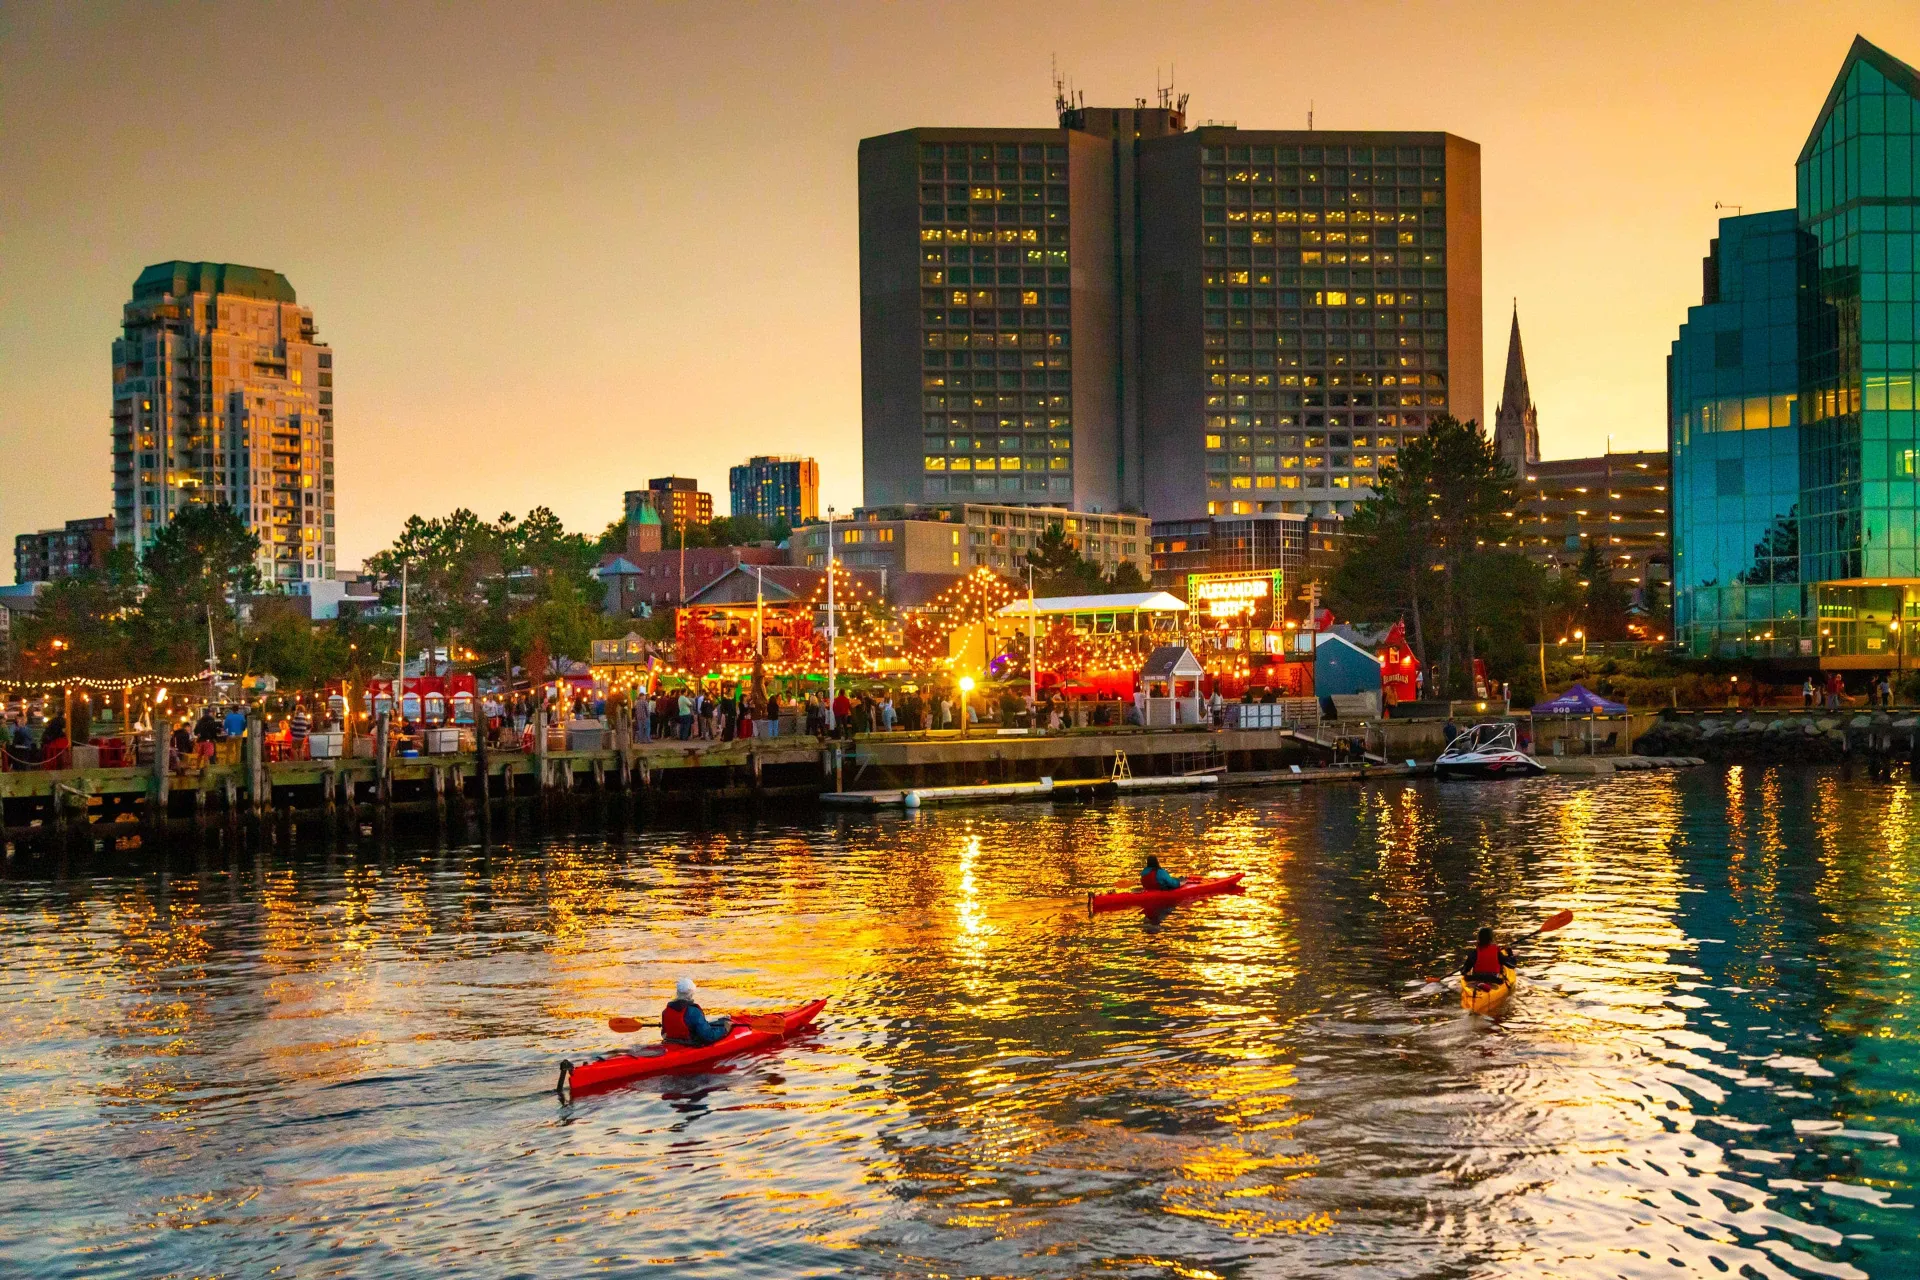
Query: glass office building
pixel 1734 421
pixel 1791 401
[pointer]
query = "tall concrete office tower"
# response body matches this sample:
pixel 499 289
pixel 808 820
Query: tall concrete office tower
pixel 222 393
pixel 1516 423
pixel 1123 314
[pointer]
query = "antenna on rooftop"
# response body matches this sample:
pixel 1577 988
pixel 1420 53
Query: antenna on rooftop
pixel 1739 210
pixel 1309 115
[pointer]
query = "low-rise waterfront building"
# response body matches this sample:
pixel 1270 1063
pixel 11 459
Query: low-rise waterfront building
pixel 1303 549
pixel 962 536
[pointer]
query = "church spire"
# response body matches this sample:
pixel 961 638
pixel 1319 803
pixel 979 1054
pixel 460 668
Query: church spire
pixel 1516 424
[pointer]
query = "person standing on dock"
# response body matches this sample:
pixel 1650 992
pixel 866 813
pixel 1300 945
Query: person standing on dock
pixel 206 732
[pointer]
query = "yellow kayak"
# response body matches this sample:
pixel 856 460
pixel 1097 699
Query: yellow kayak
pixel 1488 999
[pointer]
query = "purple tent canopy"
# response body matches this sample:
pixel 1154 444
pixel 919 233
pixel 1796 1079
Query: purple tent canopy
pixel 1579 701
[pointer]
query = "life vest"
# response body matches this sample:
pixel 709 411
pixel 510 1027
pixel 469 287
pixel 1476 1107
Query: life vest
pixel 1487 959
pixel 1150 878
pixel 673 1023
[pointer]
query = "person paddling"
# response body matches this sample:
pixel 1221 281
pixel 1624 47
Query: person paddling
pixel 684 1022
pixel 1485 961
pixel 1155 876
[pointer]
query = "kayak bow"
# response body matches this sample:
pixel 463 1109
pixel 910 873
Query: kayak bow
pixel 1151 898
pixel 613 1068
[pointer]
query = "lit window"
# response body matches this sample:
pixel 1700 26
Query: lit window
pixel 936 464
pixel 1216 442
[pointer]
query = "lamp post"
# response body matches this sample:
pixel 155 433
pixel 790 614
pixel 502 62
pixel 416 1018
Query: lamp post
pixel 966 687
pixel 832 627
pixel 1033 628
pixel 1581 636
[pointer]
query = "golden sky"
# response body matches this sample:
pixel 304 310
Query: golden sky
pixel 559 249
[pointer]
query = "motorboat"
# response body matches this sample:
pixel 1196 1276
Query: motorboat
pixel 1487 751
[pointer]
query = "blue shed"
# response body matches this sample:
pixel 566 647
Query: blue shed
pixel 1343 668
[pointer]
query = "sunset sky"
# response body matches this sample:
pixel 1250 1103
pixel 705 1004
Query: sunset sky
pixel 559 249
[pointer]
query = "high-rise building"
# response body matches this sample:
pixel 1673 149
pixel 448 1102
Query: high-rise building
pixel 1791 414
pixel 1516 423
pixel 223 393
pixel 61 553
pixel 676 500
pixel 773 489
pixel 1123 314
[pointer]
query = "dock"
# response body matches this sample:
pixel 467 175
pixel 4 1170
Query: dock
pixel 253 798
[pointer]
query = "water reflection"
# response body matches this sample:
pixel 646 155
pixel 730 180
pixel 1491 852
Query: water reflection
pixel 344 1060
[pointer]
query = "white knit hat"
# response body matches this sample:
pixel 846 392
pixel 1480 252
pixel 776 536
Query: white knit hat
pixel 684 989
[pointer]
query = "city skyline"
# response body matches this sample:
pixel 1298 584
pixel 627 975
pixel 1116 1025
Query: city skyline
pixel 449 194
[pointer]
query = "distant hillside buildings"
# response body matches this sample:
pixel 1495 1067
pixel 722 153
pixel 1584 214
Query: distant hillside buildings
pixel 775 490
pixel 60 553
pixel 676 500
pixel 223 393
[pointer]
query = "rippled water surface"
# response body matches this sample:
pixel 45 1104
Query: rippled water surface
pixel 343 1063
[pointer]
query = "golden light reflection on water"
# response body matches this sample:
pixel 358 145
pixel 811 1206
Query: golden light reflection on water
pixel 1003 1085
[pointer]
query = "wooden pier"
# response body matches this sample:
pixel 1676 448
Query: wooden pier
pixel 697 779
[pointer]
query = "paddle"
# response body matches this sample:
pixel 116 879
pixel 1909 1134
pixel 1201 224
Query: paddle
pixel 1558 920
pixel 775 1023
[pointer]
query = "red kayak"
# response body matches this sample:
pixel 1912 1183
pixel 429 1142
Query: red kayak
pixel 1150 898
pixel 659 1059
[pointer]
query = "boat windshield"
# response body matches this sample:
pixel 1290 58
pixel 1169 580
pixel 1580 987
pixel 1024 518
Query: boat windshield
pixel 1483 737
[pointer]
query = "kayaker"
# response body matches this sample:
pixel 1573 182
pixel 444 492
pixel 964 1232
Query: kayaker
pixel 1486 960
pixel 1155 876
pixel 684 1022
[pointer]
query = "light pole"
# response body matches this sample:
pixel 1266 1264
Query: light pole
pixel 1581 636
pixel 1033 628
pixel 966 687
pixel 832 627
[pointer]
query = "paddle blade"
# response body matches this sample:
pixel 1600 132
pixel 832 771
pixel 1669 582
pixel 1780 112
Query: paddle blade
pixel 1558 920
pixel 624 1024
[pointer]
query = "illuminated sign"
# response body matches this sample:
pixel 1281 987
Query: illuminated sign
pixel 1241 600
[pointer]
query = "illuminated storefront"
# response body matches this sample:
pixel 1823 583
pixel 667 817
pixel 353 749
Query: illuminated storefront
pixel 1241 610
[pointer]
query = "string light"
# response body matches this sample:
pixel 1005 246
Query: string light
pixel 110 684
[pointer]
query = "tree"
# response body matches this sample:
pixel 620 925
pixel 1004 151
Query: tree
pixel 84 624
pixel 500 587
pixel 1603 602
pixel 1415 548
pixel 1126 577
pixel 195 571
pixel 1059 570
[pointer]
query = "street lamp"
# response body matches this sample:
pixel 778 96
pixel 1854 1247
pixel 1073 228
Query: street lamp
pixel 1581 636
pixel 966 687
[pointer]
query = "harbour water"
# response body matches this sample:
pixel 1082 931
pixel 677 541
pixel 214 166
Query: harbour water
pixel 341 1063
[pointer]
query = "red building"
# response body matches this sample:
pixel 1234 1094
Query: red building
pixel 667 579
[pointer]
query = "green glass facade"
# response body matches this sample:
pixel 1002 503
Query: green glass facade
pixel 1791 410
